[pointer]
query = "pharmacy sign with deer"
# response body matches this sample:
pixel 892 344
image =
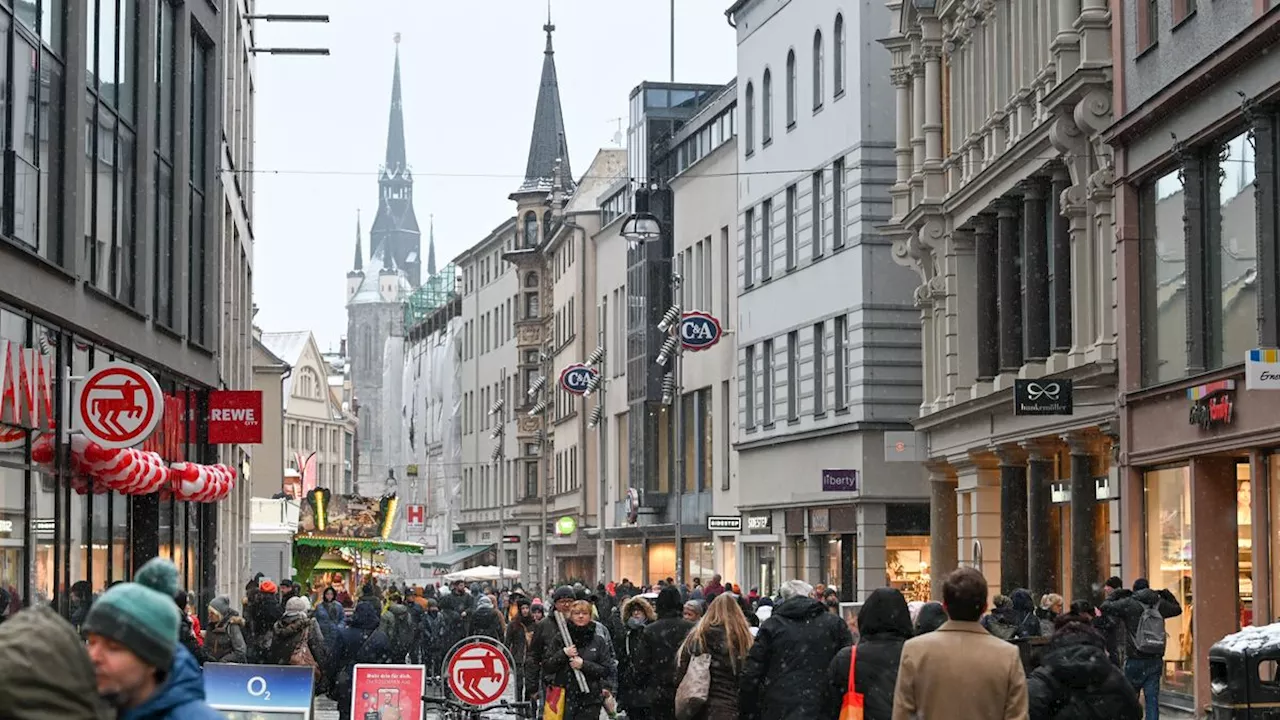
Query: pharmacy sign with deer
pixel 117 405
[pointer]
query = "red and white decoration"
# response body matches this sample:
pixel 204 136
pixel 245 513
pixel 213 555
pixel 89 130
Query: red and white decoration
pixel 98 469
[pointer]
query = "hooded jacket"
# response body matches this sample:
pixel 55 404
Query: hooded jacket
pixel 224 641
pixel 398 626
pixel 47 673
pixel 786 675
pixel 1128 606
pixel 1016 619
pixel 485 620
pixel 884 624
pixel 330 615
pixel 655 661
pixel 1076 680
pixel 181 697
pixel 931 617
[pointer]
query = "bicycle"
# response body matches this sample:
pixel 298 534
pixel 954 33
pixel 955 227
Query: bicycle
pixel 454 710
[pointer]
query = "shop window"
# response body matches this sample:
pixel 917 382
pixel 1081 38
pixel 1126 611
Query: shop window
pixel 688 441
pixel 906 560
pixel 662 562
pixel 1244 543
pixel 1235 307
pixel 1169 556
pixel 762 568
pixel 628 562
pixel 13 533
pixel 699 561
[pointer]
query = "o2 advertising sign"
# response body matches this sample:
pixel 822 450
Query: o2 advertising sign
pixel 699 330
pixel 575 378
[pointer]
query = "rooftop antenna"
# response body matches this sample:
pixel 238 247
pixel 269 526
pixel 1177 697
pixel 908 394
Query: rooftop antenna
pixel 617 136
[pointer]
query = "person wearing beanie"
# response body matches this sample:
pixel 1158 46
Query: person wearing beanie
pixel 262 614
pixel 298 640
pixel 46 670
pixel 656 657
pixel 225 639
pixel 485 620
pixel 131 632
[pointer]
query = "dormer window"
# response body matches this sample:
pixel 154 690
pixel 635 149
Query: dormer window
pixel 531 281
pixel 530 229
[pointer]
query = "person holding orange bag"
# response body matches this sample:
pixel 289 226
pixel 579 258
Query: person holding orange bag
pixel 862 677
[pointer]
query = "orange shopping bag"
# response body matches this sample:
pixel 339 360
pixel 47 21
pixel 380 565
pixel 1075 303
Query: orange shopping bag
pixel 851 708
pixel 553 705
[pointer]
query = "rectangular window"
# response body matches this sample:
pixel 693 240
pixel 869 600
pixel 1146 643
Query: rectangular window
pixel 1168 509
pixel 749 386
pixel 819 370
pixel 815 204
pixel 748 248
pixel 793 375
pixel 727 445
pixel 837 204
pixel 162 169
pixel 767 377
pixel 723 262
pixel 766 239
pixel 790 239
pixel 32 197
pixel 198 258
pixel 1148 23
pixel 1183 9
pixel 839 361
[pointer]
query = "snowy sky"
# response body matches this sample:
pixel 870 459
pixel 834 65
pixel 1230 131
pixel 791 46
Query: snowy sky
pixel 470 74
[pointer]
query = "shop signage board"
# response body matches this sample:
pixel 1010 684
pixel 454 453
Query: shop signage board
pixel 1046 396
pixel 575 378
pixel 1212 404
pixel 117 405
pixel 699 330
pixel 566 525
pixel 387 691
pixel 840 480
pixel 415 517
pixel 235 417
pixel 1262 369
pixel 478 672
pixel 729 523
pixel 279 692
pixel 26 393
pixel 904 446
pixel 762 523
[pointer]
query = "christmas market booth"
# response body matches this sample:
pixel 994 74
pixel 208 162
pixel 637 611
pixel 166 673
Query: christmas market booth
pixel 342 540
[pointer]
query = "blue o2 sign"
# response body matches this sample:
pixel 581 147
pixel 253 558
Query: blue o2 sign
pixel 574 378
pixel 699 330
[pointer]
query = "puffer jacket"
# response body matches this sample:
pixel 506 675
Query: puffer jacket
pixel 181 697
pixel 224 641
pixel 331 616
pixel 47 673
pixel 786 675
pixel 292 630
pixel 1076 680
pixel 656 659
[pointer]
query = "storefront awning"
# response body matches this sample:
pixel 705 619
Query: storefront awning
pixel 447 560
pixel 356 543
pixel 333 564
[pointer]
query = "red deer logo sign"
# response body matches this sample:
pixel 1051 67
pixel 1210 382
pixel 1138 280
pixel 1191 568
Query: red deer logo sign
pixel 117 405
pixel 478 673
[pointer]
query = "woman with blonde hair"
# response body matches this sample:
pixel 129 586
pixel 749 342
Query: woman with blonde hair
pixel 724 634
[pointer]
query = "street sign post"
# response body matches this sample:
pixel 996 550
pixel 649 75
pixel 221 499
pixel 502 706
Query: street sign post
pixel 478 671
pixel 117 405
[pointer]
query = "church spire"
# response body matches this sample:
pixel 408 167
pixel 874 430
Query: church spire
pixel 396 153
pixel 431 246
pixel 359 264
pixel 547 144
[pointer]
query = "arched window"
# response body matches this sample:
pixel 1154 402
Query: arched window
pixel 546 224
pixel 530 229
pixel 837 60
pixel 791 88
pixel 749 122
pixel 531 281
pixel 817 69
pixel 766 107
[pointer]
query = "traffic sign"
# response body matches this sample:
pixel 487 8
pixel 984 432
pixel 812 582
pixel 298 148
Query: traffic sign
pixel 117 405
pixel 575 378
pixel 478 671
pixel 699 330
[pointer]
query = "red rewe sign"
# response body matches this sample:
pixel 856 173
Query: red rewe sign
pixel 26 393
pixel 235 417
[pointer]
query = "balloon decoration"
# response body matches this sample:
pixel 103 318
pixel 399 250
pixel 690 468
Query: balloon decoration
pixel 95 469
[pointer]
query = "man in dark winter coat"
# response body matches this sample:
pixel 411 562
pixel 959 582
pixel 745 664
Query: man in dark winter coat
pixel 656 659
pixel 1076 679
pixel 884 624
pixel 362 642
pixel 486 620
pixel 785 677
pixel 546 632
pixel 1143 669
pixel 456 607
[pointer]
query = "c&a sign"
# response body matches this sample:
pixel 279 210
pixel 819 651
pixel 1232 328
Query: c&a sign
pixel 26 393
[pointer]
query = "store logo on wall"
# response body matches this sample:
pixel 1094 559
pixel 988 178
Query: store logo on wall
pixel 1262 369
pixel 26 393
pixel 731 523
pixel 839 480
pixel 760 523
pixel 235 417
pixel 699 330
pixel 1213 404
pixel 117 405
pixel 576 378
pixel 1043 397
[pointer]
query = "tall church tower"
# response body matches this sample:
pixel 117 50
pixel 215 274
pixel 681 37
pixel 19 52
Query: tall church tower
pixel 395 227
pixel 376 292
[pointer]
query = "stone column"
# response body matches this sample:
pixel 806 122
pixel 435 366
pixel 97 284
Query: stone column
pixel 870 558
pixel 1066 44
pixel 1042 545
pixel 1010 288
pixel 1061 341
pixel 1267 224
pixel 988 310
pixel 978 489
pixel 1094 29
pixel 917 128
pixel 934 187
pixel 901 77
pixel 1084 501
pixel 943 524
pixel 1035 269
pixel 962 314
pixel 1083 284
pixel 1013 518
pixel 929 389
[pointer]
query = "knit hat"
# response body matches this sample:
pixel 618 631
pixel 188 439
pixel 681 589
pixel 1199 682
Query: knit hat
pixel 267 587
pixel 141 615
pixel 297 606
pixel 564 592
pixel 484 602
pixel 222 604
pixel 47 673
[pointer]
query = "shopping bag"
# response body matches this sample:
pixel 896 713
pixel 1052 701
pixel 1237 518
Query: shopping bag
pixel 553 704
pixel 851 708
pixel 695 687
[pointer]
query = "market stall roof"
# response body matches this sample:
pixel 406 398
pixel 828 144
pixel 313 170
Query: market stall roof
pixel 463 552
pixel 365 544
pixel 332 564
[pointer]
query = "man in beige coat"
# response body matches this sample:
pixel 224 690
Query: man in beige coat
pixel 961 671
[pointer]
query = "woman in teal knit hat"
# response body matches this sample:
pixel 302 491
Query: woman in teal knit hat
pixel 132 635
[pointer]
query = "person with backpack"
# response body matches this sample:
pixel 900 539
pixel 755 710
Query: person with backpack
pixel 298 640
pixel 1143 612
pixel 1076 680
